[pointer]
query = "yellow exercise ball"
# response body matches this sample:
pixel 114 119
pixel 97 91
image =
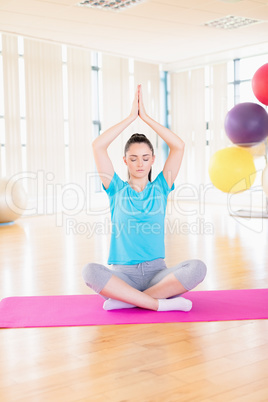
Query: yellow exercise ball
pixel 232 170
pixel 13 200
pixel 265 180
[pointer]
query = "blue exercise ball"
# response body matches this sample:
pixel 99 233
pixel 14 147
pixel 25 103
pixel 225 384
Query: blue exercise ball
pixel 246 124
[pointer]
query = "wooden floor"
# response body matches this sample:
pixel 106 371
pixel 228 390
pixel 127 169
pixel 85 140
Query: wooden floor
pixel 209 361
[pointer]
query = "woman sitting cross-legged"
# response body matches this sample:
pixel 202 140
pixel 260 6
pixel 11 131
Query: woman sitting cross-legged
pixel 139 276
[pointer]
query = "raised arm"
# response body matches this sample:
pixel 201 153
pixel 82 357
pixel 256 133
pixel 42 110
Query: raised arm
pixel 175 143
pixel 100 144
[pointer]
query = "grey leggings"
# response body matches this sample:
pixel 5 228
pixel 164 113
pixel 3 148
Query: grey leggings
pixel 146 274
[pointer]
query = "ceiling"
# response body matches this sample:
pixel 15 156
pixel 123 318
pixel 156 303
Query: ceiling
pixel 168 32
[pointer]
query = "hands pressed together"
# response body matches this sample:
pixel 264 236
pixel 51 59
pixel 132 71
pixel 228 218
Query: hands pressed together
pixel 137 105
pixel 174 142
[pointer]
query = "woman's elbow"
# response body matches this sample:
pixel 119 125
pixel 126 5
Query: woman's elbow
pixel 96 144
pixel 180 146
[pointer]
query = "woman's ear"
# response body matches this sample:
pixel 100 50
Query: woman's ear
pixel 153 159
pixel 124 159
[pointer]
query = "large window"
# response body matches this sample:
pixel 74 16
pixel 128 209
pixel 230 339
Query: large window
pixel 240 74
pixel 226 84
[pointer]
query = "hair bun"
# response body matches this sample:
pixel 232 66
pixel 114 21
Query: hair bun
pixel 138 135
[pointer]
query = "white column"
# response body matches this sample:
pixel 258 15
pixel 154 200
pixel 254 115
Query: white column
pixel 12 105
pixel 79 115
pixel 44 113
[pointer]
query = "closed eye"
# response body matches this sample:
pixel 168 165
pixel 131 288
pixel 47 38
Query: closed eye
pixel 134 160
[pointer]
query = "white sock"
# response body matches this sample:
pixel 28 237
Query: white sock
pixel 113 304
pixel 178 303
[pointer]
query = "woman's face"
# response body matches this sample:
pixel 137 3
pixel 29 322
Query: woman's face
pixel 139 160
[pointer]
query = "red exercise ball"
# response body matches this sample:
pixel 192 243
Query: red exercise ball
pixel 260 84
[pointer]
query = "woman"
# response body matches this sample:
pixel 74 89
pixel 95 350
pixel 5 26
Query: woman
pixel 139 276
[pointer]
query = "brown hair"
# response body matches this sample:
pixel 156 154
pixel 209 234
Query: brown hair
pixel 139 138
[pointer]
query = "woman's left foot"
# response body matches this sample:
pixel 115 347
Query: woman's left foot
pixel 112 304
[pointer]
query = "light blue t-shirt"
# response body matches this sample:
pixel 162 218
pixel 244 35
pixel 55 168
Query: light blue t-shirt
pixel 137 219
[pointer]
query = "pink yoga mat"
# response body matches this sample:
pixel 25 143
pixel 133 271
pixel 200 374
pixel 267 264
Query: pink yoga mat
pixel 81 310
